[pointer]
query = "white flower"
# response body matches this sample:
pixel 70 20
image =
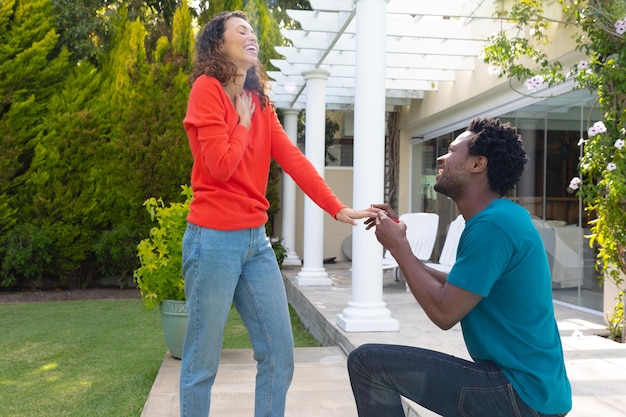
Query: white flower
pixel 492 70
pixel 598 127
pixel 619 144
pixel 583 65
pixel 581 142
pixel 620 26
pixel 534 82
pixel 574 183
pixel 611 166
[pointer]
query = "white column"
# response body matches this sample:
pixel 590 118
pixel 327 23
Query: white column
pixel 366 311
pixel 288 200
pixel 313 272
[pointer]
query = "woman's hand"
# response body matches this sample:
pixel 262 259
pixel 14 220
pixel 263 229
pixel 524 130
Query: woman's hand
pixel 245 108
pixel 349 215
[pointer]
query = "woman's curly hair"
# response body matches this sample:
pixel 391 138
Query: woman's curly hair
pixel 502 146
pixel 210 59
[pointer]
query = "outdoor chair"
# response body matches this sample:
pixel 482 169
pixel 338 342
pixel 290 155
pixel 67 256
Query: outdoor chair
pixel 448 252
pixel 421 232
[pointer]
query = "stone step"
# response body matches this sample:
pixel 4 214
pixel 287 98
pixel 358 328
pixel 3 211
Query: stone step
pixel 320 387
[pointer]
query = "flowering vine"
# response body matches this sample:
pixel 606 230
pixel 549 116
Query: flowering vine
pixel 601 183
pixel 603 165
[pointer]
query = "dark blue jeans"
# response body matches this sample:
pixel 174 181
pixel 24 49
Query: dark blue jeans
pixel 444 384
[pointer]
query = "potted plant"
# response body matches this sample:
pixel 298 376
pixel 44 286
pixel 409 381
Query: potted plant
pixel 159 276
pixel 602 181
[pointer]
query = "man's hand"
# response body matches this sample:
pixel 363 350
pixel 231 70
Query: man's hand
pixel 390 232
pixel 378 208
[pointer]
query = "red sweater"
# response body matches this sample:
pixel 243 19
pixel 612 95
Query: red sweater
pixel 231 163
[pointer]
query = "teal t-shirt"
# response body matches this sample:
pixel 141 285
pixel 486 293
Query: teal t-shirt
pixel 501 257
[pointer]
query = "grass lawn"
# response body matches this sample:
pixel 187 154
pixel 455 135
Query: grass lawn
pixel 88 358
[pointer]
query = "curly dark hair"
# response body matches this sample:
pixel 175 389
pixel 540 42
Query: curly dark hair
pixel 210 59
pixel 502 146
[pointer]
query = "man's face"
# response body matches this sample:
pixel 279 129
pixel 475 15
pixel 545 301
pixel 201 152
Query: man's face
pixel 454 167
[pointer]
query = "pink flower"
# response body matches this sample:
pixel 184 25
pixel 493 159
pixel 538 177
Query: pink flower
pixel 611 166
pixel 574 183
pixel 619 144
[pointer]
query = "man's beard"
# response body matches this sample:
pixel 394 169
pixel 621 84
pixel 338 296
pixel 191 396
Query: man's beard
pixel 447 188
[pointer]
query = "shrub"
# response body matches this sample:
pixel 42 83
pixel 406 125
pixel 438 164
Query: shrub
pixel 159 276
pixel 25 254
pixel 116 252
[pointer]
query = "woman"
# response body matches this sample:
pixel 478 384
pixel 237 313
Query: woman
pixel 233 133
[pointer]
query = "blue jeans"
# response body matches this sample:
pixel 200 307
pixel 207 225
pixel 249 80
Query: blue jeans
pixel 444 384
pixel 222 268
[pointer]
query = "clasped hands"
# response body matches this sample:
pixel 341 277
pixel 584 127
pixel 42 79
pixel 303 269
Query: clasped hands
pixel 389 230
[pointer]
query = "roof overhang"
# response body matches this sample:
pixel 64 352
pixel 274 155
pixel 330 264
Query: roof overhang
pixel 427 43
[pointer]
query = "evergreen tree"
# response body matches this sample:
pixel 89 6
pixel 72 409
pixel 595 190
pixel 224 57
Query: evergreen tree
pixel 30 72
pixel 86 139
pixel 151 156
pixel 32 69
pixel 67 185
pixel 150 102
pixel 113 138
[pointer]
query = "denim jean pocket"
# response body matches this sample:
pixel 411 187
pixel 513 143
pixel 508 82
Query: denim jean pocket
pixel 489 402
pixel 188 239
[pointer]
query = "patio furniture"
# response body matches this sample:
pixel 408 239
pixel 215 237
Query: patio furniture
pixel 448 252
pixel 421 232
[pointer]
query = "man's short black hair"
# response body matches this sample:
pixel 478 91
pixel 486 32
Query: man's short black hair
pixel 502 146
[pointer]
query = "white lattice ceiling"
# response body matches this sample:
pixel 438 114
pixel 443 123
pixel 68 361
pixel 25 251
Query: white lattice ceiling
pixel 428 42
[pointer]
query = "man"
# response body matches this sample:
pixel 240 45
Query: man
pixel 499 289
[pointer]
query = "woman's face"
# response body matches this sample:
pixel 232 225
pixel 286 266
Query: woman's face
pixel 240 44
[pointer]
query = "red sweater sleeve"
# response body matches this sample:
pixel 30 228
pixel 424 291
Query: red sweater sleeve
pixel 231 163
pixel 298 166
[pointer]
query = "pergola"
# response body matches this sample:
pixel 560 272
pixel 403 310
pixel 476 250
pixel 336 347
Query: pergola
pixel 366 56
pixel 425 43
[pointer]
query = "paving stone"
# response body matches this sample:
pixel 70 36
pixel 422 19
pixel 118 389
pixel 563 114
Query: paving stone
pixel 321 388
